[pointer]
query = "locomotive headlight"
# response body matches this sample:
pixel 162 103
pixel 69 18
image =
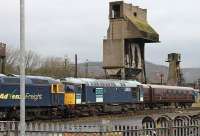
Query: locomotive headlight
pixel 57 88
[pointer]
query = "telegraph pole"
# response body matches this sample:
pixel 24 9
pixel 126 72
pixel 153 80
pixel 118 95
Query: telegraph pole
pixel 22 68
pixel 76 67
pixel 161 78
pixel 86 68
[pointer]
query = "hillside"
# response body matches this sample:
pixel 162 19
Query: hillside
pixel 153 71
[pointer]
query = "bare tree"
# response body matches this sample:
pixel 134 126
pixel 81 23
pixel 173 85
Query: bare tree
pixel 12 60
pixel 12 56
pixel 55 67
pixel 38 65
pixel 32 61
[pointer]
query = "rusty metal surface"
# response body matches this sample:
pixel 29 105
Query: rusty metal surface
pixel 2 50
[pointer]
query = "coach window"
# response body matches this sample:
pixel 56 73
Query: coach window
pixel 178 92
pixel 165 93
pixel 181 93
pixel 168 92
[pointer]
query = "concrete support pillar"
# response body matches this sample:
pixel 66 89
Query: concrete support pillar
pixel 123 76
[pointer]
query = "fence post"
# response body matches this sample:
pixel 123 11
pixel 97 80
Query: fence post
pixel 171 128
pixel 7 128
pixel 105 127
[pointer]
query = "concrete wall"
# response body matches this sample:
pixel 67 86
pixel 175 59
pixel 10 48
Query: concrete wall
pixel 112 53
pixel 122 29
pixel 129 10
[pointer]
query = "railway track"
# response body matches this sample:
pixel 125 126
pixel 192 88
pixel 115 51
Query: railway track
pixel 125 115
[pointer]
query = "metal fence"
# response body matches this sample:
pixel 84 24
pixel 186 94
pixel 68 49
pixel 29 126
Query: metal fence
pixel 179 126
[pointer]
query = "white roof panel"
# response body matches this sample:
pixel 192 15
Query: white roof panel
pixel 2 75
pixel 167 87
pixel 102 82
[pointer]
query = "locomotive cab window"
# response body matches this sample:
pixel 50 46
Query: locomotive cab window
pixel 57 88
pixel 79 88
pixel 70 88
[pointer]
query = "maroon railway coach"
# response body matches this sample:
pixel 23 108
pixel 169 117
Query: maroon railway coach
pixel 161 95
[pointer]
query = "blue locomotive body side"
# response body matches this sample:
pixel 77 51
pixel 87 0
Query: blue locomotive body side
pixel 37 95
pixel 111 95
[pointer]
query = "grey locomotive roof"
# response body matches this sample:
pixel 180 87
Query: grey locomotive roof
pixel 102 82
pixel 2 75
pixel 14 79
pixel 50 79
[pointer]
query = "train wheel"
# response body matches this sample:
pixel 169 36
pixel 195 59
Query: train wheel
pixel 30 116
pixel 125 109
pixel 100 110
pixel 188 105
pixel 176 105
pixel 151 106
pixel 13 114
pixel 93 111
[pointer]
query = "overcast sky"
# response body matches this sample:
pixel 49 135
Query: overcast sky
pixel 66 27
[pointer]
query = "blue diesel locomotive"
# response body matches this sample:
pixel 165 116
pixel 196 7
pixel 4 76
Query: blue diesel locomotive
pixel 44 96
pixel 102 96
